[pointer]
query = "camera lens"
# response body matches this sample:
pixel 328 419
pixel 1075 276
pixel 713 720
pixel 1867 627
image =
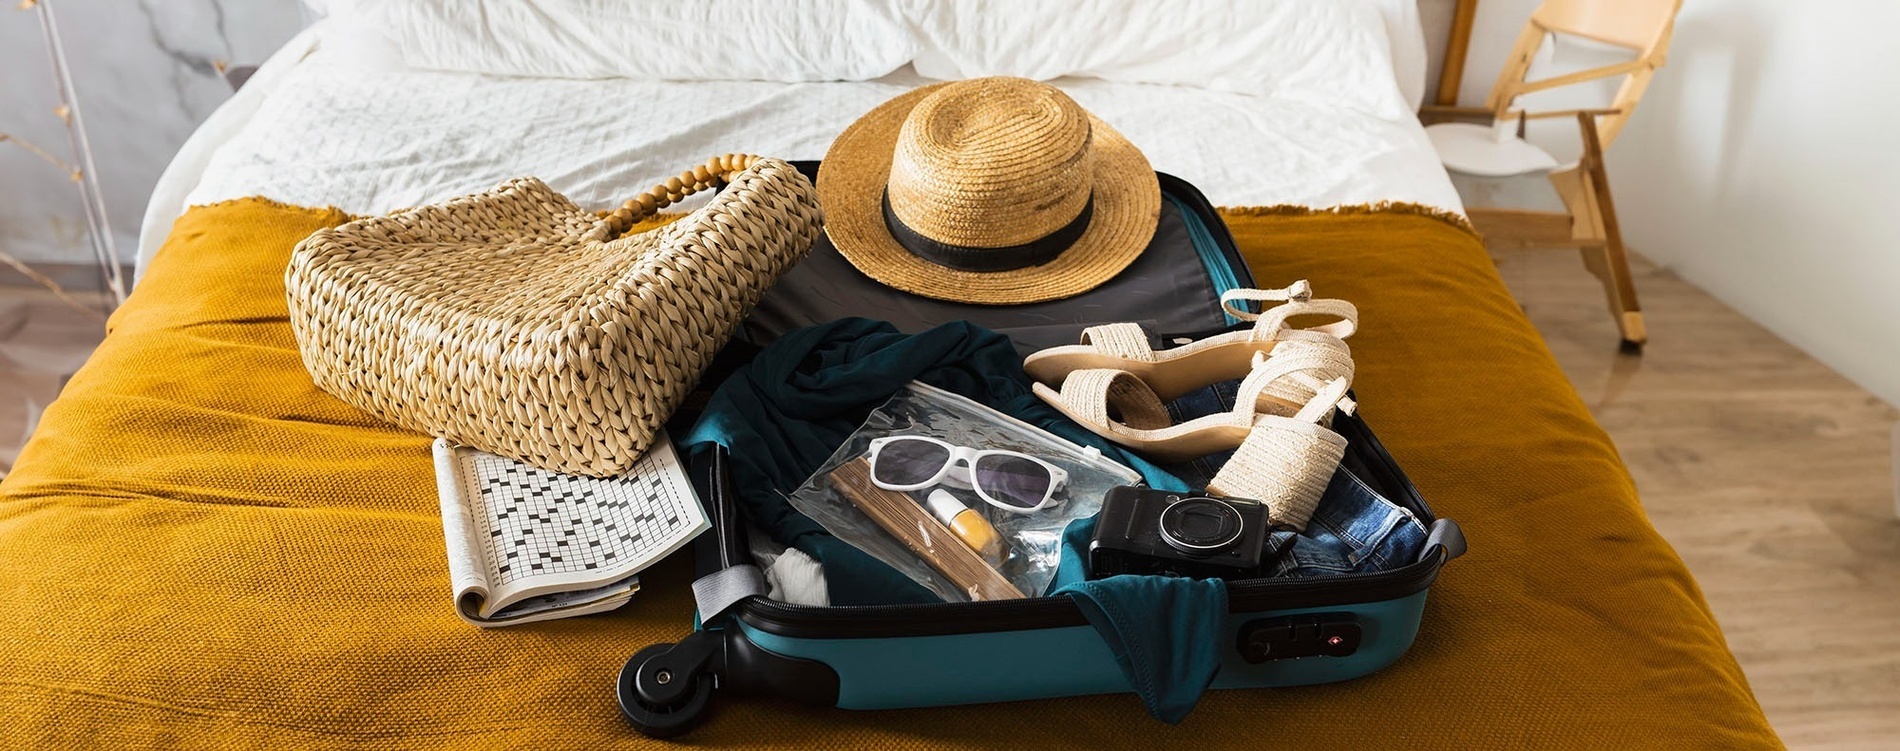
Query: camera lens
pixel 1200 526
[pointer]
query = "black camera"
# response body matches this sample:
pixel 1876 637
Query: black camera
pixel 1147 531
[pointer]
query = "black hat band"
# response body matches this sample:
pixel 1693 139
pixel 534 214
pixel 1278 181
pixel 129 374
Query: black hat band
pixel 1008 258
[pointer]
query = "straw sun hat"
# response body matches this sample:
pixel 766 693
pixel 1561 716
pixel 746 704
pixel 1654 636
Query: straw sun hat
pixel 997 191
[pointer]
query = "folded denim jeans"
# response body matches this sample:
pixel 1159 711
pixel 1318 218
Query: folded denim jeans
pixel 1354 529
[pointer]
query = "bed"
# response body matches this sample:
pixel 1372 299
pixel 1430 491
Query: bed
pixel 203 549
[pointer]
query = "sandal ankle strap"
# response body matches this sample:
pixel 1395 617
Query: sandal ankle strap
pixel 1300 291
pixel 1295 299
pixel 1296 373
pixel 1329 397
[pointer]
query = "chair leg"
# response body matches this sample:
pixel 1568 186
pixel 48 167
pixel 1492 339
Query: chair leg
pixel 1619 286
pixel 1585 190
pixel 1619 291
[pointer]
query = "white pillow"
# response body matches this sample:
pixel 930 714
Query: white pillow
pixel 1324 51
pixel 1405 30
pixel 681 40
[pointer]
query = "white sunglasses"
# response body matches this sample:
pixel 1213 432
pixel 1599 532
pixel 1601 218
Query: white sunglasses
pixel 1009 480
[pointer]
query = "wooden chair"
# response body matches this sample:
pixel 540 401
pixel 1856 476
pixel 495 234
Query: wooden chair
pixel 1498 149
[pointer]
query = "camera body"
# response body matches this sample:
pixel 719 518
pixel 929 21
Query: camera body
pixel 1157 532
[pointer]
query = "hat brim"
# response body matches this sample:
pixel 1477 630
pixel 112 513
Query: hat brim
pixel 851 182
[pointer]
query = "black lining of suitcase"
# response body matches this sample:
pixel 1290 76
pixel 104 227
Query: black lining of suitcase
pixel 826 286
pixel 1210 218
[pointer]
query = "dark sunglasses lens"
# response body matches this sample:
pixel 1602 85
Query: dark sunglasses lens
pixel 909 461
pixel 1012 480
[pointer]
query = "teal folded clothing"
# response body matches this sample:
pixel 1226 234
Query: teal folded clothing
pixel 1167 634
pixel 784 412
pixel 1165 631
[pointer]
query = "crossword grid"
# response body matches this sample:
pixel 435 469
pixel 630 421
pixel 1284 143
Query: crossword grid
pixel 540 522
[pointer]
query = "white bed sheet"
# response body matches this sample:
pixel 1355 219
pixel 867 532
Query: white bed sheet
pixel 344 128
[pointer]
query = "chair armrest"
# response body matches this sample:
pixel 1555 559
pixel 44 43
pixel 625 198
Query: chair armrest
pixel 1438 113
pixel 1542 114
pixel 1519 88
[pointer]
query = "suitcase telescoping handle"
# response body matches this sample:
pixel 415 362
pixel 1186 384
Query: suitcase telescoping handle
pixel 726 571
pixel 664 689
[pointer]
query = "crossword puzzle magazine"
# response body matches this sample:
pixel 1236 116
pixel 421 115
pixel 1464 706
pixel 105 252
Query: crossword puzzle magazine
pixel 525 544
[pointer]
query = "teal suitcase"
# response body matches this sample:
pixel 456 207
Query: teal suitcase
pixel 1282 631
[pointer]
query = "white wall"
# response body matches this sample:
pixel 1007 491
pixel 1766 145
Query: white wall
pixel 146 78
pixel 1764 167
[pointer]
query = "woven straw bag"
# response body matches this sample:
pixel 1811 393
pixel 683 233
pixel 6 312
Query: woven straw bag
pixel 516 322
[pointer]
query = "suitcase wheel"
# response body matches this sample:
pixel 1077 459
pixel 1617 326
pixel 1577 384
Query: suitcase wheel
pixel 659 701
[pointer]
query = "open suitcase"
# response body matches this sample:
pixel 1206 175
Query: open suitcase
pixel 1284 632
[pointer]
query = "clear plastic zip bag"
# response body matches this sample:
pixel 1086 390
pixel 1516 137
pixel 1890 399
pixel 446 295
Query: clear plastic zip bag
pixel 966 501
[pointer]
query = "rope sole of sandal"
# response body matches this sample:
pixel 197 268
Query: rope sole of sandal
pixel 1287 462
pixel 1179 370
pixel 1119 406
pixel 1225 361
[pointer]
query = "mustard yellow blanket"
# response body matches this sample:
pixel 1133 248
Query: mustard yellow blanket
pixel 199 548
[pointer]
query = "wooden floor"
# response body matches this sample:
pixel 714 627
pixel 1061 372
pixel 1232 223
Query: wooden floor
pixel 1771 474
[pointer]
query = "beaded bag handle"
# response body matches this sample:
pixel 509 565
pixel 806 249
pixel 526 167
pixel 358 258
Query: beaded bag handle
pixel 714 171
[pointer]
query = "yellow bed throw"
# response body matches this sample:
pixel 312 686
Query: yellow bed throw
pixel 201 549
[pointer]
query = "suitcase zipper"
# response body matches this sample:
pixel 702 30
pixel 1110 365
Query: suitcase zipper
pixel 937 619
pixel 1255 595
pixel 1219 272
pixel 1213 230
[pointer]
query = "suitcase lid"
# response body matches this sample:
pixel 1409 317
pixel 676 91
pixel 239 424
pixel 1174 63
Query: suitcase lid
pixel 1172 289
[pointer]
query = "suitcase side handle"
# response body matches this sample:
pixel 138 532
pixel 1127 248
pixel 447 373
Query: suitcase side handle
pixel 1445 535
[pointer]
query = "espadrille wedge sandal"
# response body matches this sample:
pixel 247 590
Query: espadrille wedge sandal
pixel 1171 373
pixel 1286 462
pixel 1120 407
